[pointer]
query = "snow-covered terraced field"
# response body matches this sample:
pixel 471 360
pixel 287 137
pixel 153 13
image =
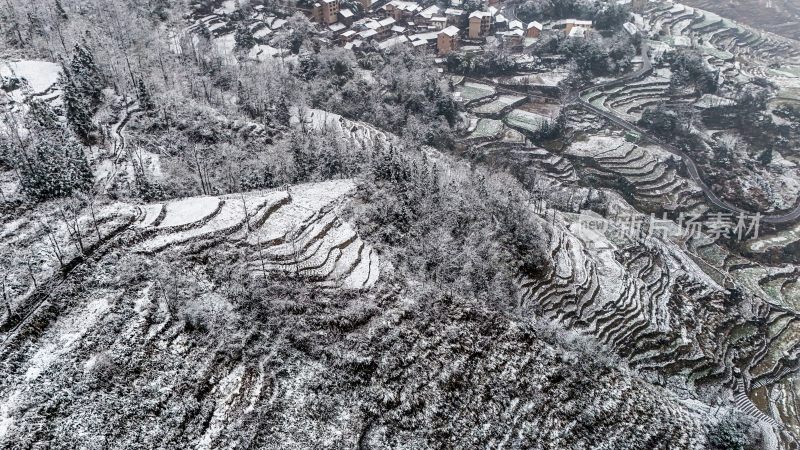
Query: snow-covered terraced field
pixel 38 77
pixel 497 106
pixel 356 132
pixel 648 170
pixel 629 101
pixel 295 230
pixel 471 91
pixel 778 240
pixel 487 128
pixel 526 120
pixel 645 299
pixel 727 36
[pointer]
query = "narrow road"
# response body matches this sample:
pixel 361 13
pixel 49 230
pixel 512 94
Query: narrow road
pixel 120 145
pixel 691 167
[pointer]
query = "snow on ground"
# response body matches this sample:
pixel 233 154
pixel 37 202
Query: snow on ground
pixel 6 409
pixel 526 120
pixel 59 339
pixel 224 46
pixel 228 7
pixel 151 213
pixel 296 230
pixel 9 184
pixel 263 53
pixel 598 245
pixel 713 101
pixel 306 201
pixel 316 195
pixel 189 210
pixel 540 79
pixel 231 215
pixel 66 332
pixel 356 131
pixel 777 240
pixel 595 146
pixel 32 248
pixel 496 106
pixel 151 163
pixel 226 391
pixel 40 75
pixel 473 91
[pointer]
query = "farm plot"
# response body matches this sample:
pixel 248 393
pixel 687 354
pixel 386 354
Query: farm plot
pixel 295 231
pixel 37 77
pixel 499 105
pixel 777 240
pixel 471 91
pixel 648 170
pixel 720 38
pixel 526 121
pixel 630 100
pixel 487 128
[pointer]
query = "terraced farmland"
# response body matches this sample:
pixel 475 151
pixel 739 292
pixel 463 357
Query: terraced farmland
pixel 650 172
pixel 724 34
pixel 295 231
pixel 499 105
pixel 628 101
pixel 471 91
pixel 664 313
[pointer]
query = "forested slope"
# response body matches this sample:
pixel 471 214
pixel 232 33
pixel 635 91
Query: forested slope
pixel 203 250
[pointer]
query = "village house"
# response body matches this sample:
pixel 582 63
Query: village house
pixel 480 24
pixel 337 27
pixel 424 18
pixel 346 16
pixel 374 29
pixel 569 24
pixel 347 36
pixel 357 43
pixel 399 9
pixel 419 44
pixel 367 34
pixel 534 30
pixel 454 16
pixel 439 23
pixel 500 23
pixel 326 11
pixel 392 42
pixel 447 40
pixel 430 38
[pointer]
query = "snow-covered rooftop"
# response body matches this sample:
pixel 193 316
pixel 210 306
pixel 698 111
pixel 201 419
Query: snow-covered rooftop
pixel 451 31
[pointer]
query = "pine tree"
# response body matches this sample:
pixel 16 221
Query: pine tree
pixel 43 115
pixel 79 115
pixel 52 166
pixel 86 77
pixel 144 97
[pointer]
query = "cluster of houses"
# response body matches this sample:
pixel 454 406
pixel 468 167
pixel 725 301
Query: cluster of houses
pixel 406 22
